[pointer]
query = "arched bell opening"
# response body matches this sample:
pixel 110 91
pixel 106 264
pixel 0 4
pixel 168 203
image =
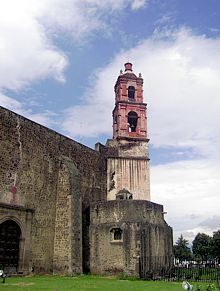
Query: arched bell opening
pixel 131 92
pixel 132 121
pixel 10 235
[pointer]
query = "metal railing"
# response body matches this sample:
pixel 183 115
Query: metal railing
pixel 161 268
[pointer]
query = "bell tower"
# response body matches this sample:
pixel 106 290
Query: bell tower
pixel 129 114
pixel 128 161
pixel 128 222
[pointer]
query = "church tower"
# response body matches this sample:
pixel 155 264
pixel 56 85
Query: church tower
pixel 128 233
pixel 128 163
pixel 129 114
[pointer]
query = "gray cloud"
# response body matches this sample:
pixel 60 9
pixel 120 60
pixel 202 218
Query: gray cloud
pixel 211 222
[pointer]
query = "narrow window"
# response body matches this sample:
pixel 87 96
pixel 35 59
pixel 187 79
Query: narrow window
pixel 116 234
pixel 132 121
pixel 131 92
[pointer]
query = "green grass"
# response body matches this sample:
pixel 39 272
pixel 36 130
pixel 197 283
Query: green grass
pixel 59 283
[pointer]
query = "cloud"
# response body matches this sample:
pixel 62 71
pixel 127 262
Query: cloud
pixel 26 54
pixel 189 191
pixel 45 118
pixel 10 103
pixel 80 18
pixel 93 117
pixel 183 108
pixel 29 30
pixel 137 4
pixel 211 222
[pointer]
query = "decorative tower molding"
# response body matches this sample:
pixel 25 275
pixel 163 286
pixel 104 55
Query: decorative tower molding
pixel 128 161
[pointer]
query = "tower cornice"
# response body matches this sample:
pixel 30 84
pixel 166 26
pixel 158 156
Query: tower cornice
pixel 134 138
pixel 130 102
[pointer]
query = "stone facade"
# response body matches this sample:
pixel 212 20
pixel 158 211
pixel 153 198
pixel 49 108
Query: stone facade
pixel 56 178
pixel 62 207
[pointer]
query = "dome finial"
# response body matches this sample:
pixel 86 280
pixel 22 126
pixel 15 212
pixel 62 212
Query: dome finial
pixel 128 67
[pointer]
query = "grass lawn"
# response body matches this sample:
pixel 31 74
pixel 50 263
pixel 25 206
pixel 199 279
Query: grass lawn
pixel 59 283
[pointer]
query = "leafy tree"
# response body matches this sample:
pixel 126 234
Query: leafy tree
pixel 202 247
pixel 181 249
pixel 216 245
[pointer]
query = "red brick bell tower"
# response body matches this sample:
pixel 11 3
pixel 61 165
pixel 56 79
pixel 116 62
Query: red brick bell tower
pixel 128 158
pixel 129 114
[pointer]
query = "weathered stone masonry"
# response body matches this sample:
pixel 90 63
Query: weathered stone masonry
pixel 145 235
pixel 55 177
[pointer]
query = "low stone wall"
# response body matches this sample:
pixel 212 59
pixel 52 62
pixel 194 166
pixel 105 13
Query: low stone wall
pixel 144 234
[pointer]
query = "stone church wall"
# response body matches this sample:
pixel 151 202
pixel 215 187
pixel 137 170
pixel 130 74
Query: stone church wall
pixel 36 173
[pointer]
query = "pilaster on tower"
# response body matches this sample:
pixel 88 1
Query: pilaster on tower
pixel 128 161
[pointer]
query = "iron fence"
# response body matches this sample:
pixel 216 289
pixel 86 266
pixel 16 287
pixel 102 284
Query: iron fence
pixel 161 268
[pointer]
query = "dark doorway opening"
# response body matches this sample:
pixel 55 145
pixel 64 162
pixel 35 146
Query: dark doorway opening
pixel 10 234
pixel 86 242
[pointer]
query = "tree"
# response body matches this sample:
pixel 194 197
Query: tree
pixel 181 250
pixel 216 245
pixel 201 247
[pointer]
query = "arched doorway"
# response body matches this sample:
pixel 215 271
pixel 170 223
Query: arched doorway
pixel 10 234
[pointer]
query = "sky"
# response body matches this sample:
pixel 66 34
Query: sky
pixel 59 60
